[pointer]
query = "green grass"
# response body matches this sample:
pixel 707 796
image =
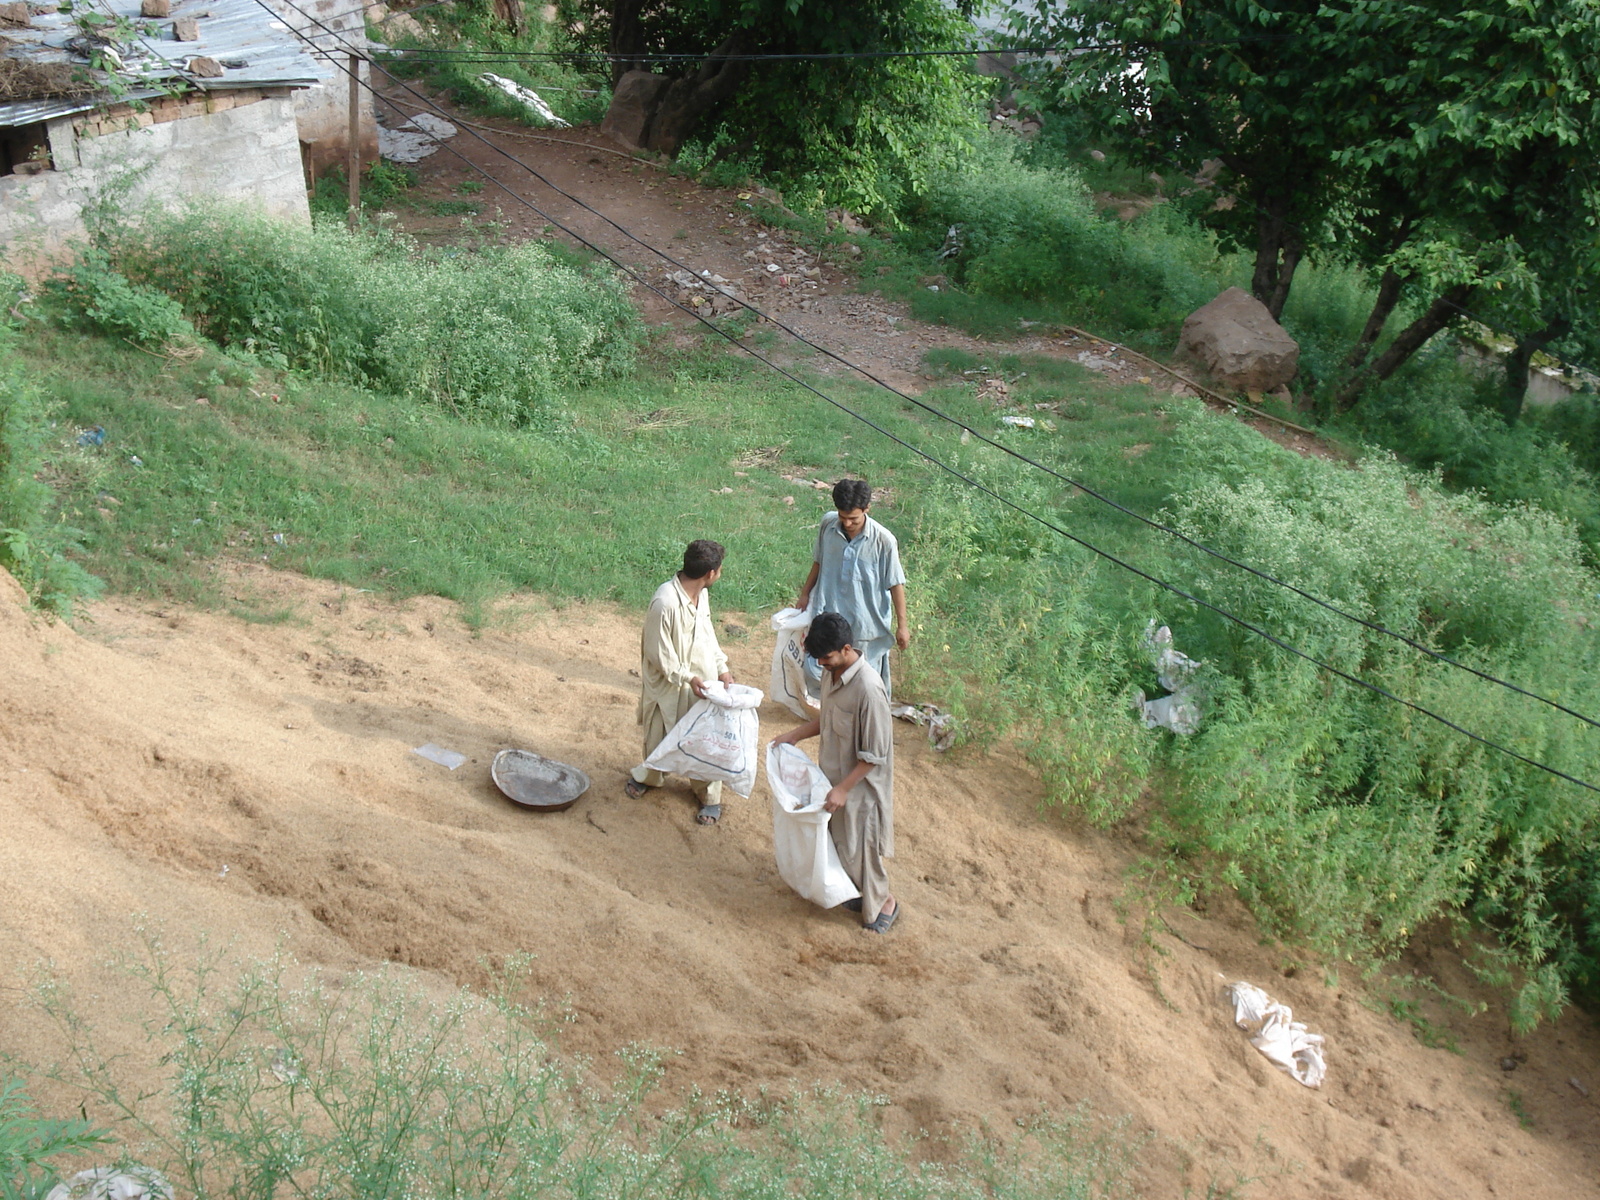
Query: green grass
pixel 374 491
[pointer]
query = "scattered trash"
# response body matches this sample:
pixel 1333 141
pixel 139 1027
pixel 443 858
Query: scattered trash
pixel 1017 422
pixel 525 96
pixel 113 1183
pixel 1096 362
pixel 716 740
pixel 952 243
pixel 933 287
pixel 414 140
pixel 135 461
pixel 223 874
pixel 1274 1031
pixel 788 683
pixel 941 725
pixel 1577 1087
pixel 93 436
pixel 1180 711
pixel 448 759
pixel 277 539
pixel 807 859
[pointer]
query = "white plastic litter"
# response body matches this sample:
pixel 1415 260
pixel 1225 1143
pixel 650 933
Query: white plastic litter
pixel 1274 1031
pixel 716 740
pixel 112 1183
pixel 1017 422
pixel 449 759
pixel 941 725
pixel 807 860
pixel 788 684
pixel 416 139
pixel 526 97
pixel 1180 711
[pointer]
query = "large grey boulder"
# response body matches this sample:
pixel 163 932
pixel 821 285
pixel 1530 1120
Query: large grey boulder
pixel 633 107
pixel 1239 344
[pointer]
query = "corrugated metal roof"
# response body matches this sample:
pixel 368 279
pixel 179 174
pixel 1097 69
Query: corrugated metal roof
pixel 256 49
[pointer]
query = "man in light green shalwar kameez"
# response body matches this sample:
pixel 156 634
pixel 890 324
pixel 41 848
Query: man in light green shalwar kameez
pixel 678 654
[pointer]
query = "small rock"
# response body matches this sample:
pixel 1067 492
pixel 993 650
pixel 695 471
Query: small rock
pixel 15 15
pixel 789 500
pixel 186 29
pixel 156 8
pixel 1577 1087
pixel 202 67
pixel 1508 1064
pixel 850 248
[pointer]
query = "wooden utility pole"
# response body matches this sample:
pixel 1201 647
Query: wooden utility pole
pixel 354 160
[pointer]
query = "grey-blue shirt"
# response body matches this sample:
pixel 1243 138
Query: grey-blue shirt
pixel 854 576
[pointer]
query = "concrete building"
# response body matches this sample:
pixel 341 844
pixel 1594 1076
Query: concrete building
pixel 216 98
pixel 322 111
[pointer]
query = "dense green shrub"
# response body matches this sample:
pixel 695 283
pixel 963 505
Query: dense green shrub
pixel 1346 818
pixel 1033 233
pixel 495 332
pixel 34 542
pixel 108 303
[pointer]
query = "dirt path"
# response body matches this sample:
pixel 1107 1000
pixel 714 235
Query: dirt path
pixel 706 229
pixel 139 760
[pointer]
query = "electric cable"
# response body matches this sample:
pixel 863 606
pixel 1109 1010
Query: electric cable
pixel 968 480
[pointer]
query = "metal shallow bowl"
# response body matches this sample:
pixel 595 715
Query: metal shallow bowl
pixel 537 782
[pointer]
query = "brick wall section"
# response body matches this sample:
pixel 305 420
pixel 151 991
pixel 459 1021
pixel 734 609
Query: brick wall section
pixel 122 117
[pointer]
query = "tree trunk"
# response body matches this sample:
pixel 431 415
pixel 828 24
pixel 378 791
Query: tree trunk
pixel 1278 251
pixel 627 37
pixel 1412 338
pixel 689 99
pixel 1389 288
pixel 1519 361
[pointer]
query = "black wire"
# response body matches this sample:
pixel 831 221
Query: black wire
pixel 734 341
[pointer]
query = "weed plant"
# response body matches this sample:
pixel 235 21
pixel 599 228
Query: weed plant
pixel 493 333
pixel 276 1083
pixel 36 542
pixel 31 1145
pixel 383 185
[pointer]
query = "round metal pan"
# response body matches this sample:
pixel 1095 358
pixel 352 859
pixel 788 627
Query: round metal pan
pixel 537 782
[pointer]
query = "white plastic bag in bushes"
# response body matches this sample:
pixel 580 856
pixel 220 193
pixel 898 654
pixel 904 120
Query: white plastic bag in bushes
pixel 716 740
pixel 807 860
pixel 789 662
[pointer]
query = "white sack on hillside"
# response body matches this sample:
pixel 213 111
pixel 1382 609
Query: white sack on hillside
pixel 526 97
pixel 807 859
pixel 1274 1031
pixel 716 741
pixel 788 683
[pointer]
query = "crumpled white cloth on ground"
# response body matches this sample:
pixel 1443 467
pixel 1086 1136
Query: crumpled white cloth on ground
pixel 1274 1031
pixel 109 1183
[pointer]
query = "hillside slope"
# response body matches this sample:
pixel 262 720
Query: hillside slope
pixel 142 755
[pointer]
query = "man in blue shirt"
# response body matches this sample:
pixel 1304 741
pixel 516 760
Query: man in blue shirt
pixel 856 572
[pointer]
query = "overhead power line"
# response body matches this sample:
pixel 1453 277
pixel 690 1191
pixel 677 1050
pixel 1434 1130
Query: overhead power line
pixel 923 454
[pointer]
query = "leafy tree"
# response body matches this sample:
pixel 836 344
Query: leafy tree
pixel 1438 146
pixel 816 117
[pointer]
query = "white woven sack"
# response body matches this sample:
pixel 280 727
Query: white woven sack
pixel 717 740
pixel 807 860
pixel 788 684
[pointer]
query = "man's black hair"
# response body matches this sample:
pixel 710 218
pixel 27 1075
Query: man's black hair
pixel 829 632
pixel 851 494
pixel 702 557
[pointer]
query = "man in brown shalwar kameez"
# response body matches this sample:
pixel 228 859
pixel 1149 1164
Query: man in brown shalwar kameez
pixel 858 758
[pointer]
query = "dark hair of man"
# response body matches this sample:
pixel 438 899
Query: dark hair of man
pixel 701 558
pixel 829 632
pixel 851 494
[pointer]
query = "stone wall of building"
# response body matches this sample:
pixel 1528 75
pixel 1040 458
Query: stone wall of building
pixel 233 145
pixel 323 111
